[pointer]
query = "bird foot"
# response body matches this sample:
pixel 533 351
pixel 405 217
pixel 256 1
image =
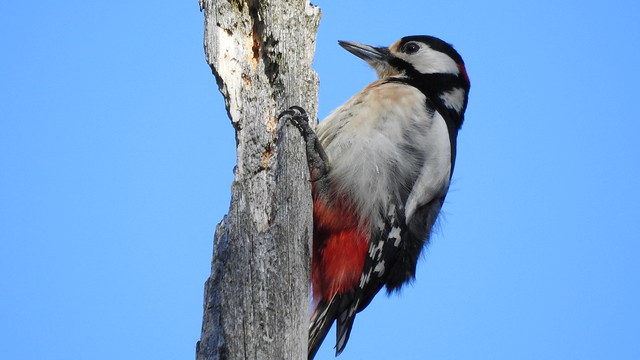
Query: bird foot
pixel 316 156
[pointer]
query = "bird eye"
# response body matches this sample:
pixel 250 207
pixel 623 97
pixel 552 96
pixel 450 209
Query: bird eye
pixel 411 48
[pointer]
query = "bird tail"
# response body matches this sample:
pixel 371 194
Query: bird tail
pixel 321 320
pixel 340 308
pixel 344 322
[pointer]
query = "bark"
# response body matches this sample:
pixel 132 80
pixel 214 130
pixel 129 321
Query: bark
pixel 256 303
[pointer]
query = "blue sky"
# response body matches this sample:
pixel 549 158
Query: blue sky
pixel 116 160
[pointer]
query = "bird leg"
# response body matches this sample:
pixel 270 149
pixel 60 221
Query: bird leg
pixel 316 157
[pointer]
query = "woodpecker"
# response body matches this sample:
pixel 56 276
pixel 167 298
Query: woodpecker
pixel 381 165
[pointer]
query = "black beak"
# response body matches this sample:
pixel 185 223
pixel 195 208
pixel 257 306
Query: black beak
pixel 373 55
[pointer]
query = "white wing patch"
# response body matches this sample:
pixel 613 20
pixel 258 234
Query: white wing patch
pixel 395 235
pixel 379 268
pixel 433 180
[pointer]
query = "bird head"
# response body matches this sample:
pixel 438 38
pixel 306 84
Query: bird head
pixel 425 62
pixel 410 56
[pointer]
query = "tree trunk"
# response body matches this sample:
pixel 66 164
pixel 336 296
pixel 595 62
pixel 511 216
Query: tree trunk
pixel 256 302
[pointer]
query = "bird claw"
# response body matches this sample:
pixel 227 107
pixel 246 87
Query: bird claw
pixel 292 111
pixel 316 156
pixel 298 117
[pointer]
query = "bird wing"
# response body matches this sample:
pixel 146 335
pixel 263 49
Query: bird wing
pixel 433 180
pixel 384 245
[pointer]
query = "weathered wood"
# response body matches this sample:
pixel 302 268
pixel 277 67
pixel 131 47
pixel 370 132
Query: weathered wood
pixel 256 302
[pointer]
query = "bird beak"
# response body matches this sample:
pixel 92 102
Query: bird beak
pixel 373 55
pixel 377 57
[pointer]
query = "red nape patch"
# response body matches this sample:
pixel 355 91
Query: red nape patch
pixel 339 249
pixel 463 71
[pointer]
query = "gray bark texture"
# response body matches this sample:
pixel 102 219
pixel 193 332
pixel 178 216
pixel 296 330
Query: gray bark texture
pixel 256 303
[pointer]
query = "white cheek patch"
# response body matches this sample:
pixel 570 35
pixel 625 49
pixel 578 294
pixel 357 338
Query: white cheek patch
pixel 429 61
pixel 453 99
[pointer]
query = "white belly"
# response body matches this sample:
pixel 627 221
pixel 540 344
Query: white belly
pixel 387 149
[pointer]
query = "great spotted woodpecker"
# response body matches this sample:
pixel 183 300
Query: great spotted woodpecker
pixel 381 166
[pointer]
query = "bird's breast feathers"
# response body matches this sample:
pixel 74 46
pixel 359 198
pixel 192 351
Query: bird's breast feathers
pixel 386 137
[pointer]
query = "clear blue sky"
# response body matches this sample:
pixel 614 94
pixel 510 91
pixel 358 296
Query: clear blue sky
pixel 116 160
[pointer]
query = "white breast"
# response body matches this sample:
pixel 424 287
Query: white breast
pixel 383 141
